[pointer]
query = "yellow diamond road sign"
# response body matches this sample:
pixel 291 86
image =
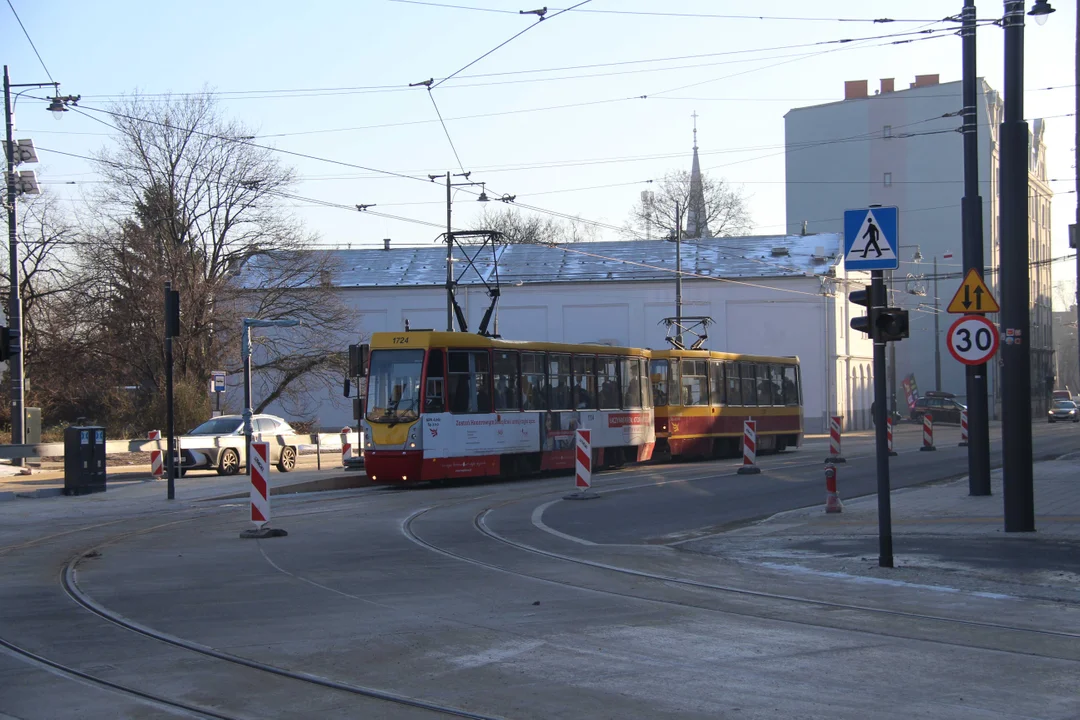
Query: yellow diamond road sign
pixel 973 296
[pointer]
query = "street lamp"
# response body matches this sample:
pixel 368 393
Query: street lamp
pixel 25 182
pixel 1041 11
pixel 245 355
pixel 450 236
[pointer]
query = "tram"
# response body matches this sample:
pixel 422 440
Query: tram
pixel 702 398
pixel 442 405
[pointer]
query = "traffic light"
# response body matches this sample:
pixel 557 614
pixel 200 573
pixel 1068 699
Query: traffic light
pixel 5 343
pixel 864 323
pixel 891 324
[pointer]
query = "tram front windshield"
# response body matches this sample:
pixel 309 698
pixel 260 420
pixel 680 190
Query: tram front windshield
pixel 394 385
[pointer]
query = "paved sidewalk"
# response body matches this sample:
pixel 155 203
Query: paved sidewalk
pixel 942 537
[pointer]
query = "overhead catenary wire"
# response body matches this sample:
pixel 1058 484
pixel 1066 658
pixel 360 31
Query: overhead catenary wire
pixel 31 41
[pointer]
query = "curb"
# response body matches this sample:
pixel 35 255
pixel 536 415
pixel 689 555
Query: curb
pixel 41 493
pixel 5 496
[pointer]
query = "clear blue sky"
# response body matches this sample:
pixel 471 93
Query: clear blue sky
pixel 587 154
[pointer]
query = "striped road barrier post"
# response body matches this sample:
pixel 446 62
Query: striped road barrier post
pixel 583 464
pixel 157 467
pixel 832 497
pixel 835 422
pixel 888 434
pixel 927 433
pixel 749 453
pixel 346 447
pixel 259 455
pixel 963 429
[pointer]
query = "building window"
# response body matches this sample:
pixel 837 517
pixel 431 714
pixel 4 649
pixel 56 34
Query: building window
pixel 887 131
pixel 888 179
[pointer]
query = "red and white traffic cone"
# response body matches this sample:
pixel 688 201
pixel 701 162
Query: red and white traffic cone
pixel 583 463
pixel 259 461
pixel 832 497
pixel 835 423
pixel 157 467
pixel 749 455
pixel 963 429
pixel 927 433
pixel 888 434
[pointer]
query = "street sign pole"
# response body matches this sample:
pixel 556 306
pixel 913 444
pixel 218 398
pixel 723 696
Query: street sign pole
pixel 885 549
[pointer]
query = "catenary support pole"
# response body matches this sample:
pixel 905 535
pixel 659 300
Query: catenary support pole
pixel 971 219
pixel 678 274
pixel 15 324
pixel 1076 148
pixel 1019 497
pixel 885 549
pixel 449 262
pixel 170 424
pixel 937 332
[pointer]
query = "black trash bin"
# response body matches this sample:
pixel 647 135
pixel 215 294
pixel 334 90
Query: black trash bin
pixel 84 460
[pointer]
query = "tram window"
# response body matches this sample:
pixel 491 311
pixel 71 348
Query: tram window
pixel 607 378
pixel 559 382
pixel 695 382
pixel 764 384
pixel 776 375
pixel 749 384
pixel 631 382
pixel 584 382
pixel 470 377
pixel 732 384
pixel 716 382
pixel 674 383
pixel 507 390
pixel 434 400
pixel 658 375
pixel 791 385
pixel 533 381
pixel 646 387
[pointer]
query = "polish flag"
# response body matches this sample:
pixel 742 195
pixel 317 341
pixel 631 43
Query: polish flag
pixel 947 255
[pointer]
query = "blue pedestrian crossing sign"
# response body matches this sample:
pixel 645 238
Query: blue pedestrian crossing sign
pixel 871 240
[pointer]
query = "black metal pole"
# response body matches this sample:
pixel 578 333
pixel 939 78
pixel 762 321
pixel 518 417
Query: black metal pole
pixel 449 262
pixel 1076 147
pixel 170 429
pixel 892 352
pixel 885 553
pixel 937 332
pixel 1019 497
pixel 245 352
pixel 971 218
pixel 15 357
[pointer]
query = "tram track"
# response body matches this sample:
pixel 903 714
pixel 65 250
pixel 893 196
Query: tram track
pixel 775 601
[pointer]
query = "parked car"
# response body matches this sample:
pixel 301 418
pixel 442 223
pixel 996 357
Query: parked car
pixel 203 449
pixel 941 406
pixel 1063 410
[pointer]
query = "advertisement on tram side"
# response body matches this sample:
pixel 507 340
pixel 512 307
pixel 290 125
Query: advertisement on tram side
pixel 448 435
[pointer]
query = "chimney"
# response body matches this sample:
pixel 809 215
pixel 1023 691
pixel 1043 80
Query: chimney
pixel 386 244
pixel 855 89
pixel 887 85
pixel 925 80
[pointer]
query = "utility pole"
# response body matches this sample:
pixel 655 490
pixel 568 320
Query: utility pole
pixel 15 359
pixel 1076 147
pixel 449 262
pixel 678 273
pixel 1019 496
pixel 971 222
pixel 881 437
pixel 937 333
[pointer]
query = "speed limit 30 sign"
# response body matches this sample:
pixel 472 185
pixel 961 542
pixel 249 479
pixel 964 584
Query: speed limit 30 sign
pixel 973 339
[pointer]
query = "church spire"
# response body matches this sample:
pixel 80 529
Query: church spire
pixel 697 225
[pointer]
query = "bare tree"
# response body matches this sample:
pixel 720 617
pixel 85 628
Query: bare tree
pixel 653 215
pixel 189 199
pixel 521 228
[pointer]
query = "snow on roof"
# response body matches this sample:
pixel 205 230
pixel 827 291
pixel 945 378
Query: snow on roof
pixel 767 256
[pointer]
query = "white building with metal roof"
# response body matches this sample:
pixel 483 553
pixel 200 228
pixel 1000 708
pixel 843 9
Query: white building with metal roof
pixel 773 295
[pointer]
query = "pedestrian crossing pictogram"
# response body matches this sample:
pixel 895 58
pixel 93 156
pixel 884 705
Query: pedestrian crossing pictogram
pixel 870 239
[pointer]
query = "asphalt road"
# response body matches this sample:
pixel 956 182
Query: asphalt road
pixel 693 499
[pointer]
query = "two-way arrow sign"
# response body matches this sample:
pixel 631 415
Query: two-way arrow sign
pixel 973 285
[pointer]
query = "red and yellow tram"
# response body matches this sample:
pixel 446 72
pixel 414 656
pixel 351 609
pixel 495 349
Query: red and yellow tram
pixel 702 398
pixel 445 405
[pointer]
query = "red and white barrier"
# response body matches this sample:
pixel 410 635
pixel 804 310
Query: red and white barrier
pixel 888 435
pixel 346 447
pixel 157 466
pixel 927 433
pixel 832 497
pixel 583 464
pixel 583 461
pixel 749 456
pixel 963 429
pixel 260 491
pixel 835 423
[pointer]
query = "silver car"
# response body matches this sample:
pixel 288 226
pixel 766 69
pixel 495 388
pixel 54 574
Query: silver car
pixel 1063 410
pixel 218 442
